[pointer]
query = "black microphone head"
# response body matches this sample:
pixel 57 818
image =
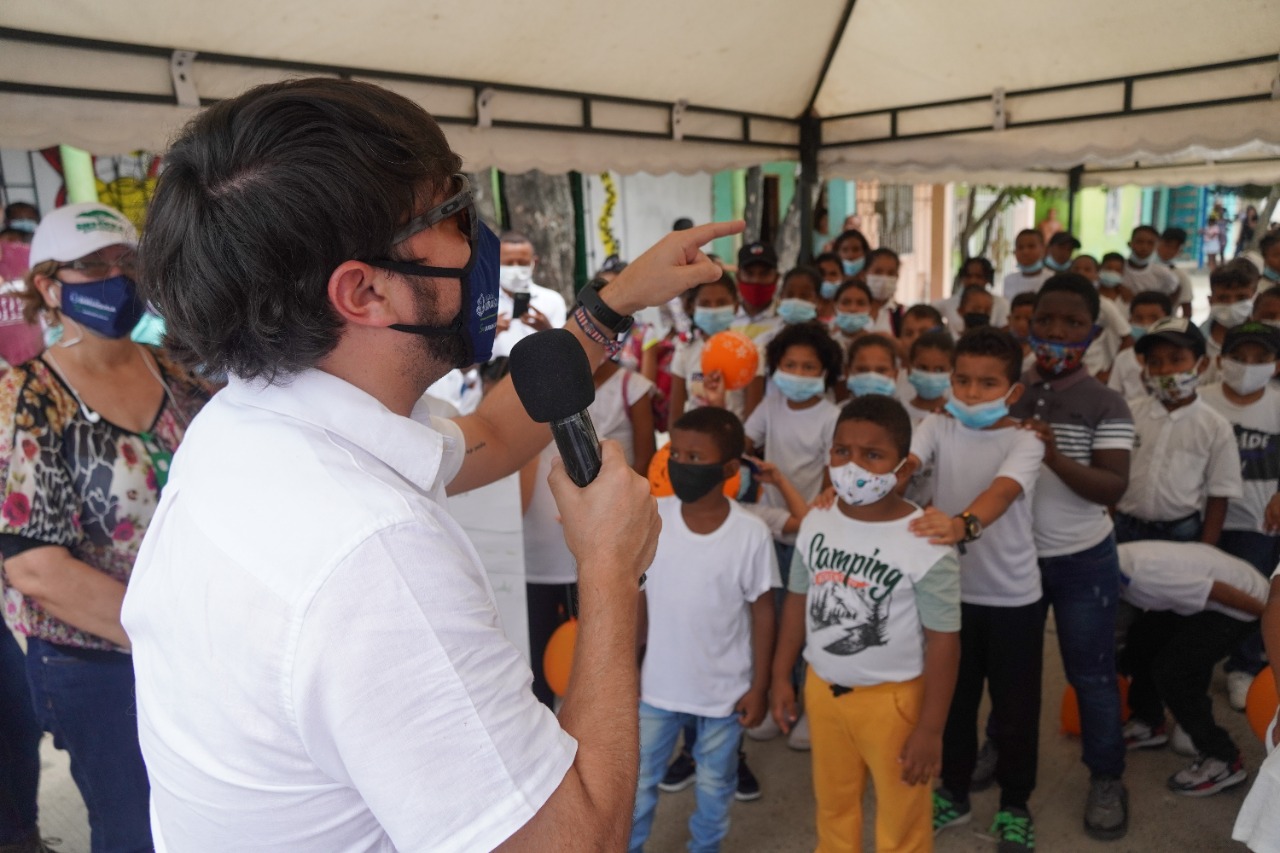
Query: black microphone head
pixel 552 375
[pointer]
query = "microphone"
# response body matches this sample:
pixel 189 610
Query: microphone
pixel 552 378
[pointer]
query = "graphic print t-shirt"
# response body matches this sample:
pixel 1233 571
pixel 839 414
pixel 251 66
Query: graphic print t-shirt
pixel 1257 431
pixel 870 589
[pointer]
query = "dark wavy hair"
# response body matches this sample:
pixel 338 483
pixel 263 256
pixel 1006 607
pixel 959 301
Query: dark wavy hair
pixel 811 335
pixel 993 342
pixel 261 197
pixel 1070 282
pixel 886 413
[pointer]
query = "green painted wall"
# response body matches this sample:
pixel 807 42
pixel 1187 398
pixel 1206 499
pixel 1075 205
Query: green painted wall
pixel 1091 220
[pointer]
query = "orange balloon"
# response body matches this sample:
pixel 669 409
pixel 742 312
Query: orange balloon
pixel 1260 705
pixel 1070 714
pixel 734 355
pixel 557 661
pixel 660 476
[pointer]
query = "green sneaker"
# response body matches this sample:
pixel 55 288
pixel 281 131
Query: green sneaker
pixel 947 810
pixel 1013 830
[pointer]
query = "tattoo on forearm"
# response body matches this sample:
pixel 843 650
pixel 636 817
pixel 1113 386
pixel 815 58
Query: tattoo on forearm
pixel 473 448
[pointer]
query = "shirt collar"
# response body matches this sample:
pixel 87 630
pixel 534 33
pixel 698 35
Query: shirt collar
pixel 409 446
pixel 1033 379
pixel 1157 410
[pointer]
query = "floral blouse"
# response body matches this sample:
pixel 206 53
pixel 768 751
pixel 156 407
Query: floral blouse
pixel 89 485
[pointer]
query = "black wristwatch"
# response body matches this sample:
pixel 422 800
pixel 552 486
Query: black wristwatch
pixel 972 527
pixel 589 298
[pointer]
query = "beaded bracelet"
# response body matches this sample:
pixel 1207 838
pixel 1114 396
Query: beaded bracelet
pixel 589 328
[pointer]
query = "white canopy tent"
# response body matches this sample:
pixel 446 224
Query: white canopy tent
pixel 1001 91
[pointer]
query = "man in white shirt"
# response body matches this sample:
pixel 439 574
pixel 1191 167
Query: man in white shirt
pixel 524 307
pixel 319 660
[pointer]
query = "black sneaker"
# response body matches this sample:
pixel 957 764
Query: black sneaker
pixel 748 785
pixel 1106 811
pixel 1014 831
pixel 681 773
pixel 984 771
pixel 948 811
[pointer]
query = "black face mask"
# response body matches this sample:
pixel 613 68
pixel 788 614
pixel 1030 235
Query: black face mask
pixel 692 482
pixel 973 320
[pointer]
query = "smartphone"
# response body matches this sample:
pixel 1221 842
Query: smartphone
pixel 520 304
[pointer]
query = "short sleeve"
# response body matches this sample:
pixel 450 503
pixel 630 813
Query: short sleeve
pixel 40 502
pixel 798 579
pixel 757 425
pixel 1112 318
pixel 424 707
pixel 938 595
pixel 681 361
pixel 1185 294
pixel 1114 430
pixel 924 439
pixel 1223 475
pixel 637 386
pixel 452 454
pixel 774 517
pixel 1022 463
pixel 760 568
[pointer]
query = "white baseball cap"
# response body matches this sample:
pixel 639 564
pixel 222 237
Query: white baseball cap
pixel 76 230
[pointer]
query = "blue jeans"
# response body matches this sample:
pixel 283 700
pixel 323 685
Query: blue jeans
pixel 1259 551
pixel 716 754
pixel 19 745
pixel 85 699
pixel 1130 528
pixel 1084 591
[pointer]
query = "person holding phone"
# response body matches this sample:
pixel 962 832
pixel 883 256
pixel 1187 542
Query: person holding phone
pixel 524 307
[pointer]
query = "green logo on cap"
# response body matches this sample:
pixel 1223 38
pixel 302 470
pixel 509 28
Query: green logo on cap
pixel 99 220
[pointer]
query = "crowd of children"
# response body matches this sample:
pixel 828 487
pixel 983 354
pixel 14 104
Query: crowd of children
pixel 919 486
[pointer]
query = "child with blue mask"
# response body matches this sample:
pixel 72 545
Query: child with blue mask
pixel 852 249
pixel 985 472
pixel 1143 269
pixel 714 308
pixel 873 366
pixel 852 312
pixel 828 263
pixel 930 379
pixel 800 295
pixel 1028 252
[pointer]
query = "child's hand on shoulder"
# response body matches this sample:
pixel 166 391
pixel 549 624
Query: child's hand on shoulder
pixel 921 757
pixel 826 499
pixel 784 705
pixel 938 527
pixel 752 707
pixel 1044 432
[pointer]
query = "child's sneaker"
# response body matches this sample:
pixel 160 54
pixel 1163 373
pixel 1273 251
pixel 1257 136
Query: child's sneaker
pixel 681 773
pixel 948 811
pixel 1208 776
pixel 1238 684
pixel 1140 735
pixel 1014 831
pixel 1181 743
pixel 799 737
pixel 748 785
pixel 767 730
pixel 984 770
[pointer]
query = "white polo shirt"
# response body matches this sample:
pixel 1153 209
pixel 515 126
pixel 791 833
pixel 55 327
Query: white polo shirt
pixel 318 655
pixel 1180 459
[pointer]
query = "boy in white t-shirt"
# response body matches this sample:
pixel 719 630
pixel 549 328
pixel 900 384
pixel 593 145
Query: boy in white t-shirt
pixel 1146 309
pixel 1197 603
pixel 1144 270
pixel 1250 402
pixel 1168 247
pixel 876 610
pixel 1232 288
pixel 709 623
pixel 985 470
pixel 1028 251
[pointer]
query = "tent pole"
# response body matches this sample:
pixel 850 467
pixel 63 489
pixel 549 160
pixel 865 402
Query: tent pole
pixel 1073 187
pixel 810 142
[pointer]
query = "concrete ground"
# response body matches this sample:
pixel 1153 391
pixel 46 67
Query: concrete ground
pixel 782 820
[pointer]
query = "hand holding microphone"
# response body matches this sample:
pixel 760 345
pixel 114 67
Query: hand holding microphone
pixel 610 519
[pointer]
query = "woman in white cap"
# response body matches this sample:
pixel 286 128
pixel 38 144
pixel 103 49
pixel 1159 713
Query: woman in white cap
pixel 87 432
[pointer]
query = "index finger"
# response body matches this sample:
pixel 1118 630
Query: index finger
pixel 693 239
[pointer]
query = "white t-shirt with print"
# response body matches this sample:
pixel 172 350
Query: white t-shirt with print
pixel 1178 576
pixel 1180 459
pixel 699 590
pixel 862 622
pixel 686 362
pixel 1000 568
pixel 1257 430
pixel 798 441
pixel 546 556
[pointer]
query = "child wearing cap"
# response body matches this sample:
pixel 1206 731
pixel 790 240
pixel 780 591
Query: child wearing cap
pixel 1250 402
pixel 1028 250
pixel 757 285
pixel 1058 255
pixel 1185 464
pixel 1232 287
pixel 1168 247
pixel 1196 603
pixel 1143 270
pixel 1146 309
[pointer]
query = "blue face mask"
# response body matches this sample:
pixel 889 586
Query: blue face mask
pixel 477 318
pixel 798 389
pixel 109 308
pixel 829 289
pixel 852 268
pixel 979 415
pixel 1055 266
pixel 1137 331
pixel 851 322
pixel 1271 275
pixel 1139 260
pixel 930 386
pixel 1110 278
pixel 1031 269
pixel 713 320
pixel 862 384
pixel 797 311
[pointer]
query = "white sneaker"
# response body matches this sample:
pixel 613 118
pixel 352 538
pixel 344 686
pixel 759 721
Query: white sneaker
pixel 799 738
pixel 1182 744
pixel 767 730
pixel 1238 684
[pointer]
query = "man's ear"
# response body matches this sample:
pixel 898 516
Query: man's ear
pixel 362 295
pixel 732 467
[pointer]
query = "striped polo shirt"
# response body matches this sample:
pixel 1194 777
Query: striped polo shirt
pixel 1086 416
